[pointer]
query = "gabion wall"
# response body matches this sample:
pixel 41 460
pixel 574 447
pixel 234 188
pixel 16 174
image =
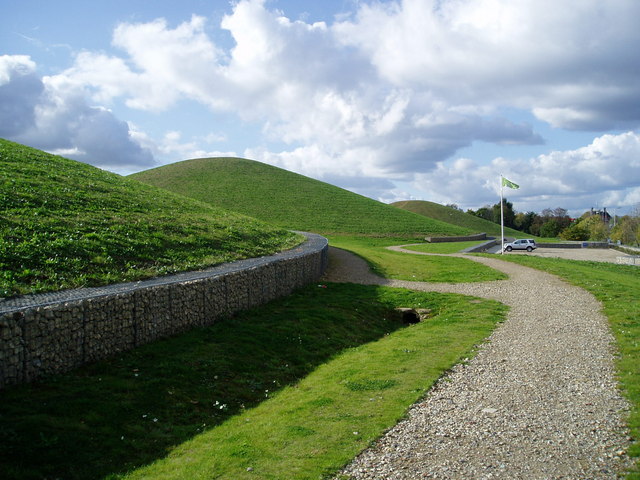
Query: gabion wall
pixel 53 333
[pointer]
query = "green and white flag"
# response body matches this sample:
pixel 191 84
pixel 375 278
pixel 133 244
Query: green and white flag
pixel 510 184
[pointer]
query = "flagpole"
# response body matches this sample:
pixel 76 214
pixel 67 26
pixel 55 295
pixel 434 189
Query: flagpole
pixel 501 219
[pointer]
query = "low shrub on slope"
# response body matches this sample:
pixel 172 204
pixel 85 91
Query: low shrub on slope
pixel 287 199
pixel 67 224
pixel 455 217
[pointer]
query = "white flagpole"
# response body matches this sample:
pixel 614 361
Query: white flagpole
pixel 501 220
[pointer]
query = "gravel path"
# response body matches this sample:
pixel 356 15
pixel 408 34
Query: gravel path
pixel 538 401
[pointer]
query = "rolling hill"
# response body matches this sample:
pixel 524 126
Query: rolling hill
pixel 455 217
pixel 67 224
pixel 288 199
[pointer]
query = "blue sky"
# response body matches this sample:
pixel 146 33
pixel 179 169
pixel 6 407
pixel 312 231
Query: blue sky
pixel 396 100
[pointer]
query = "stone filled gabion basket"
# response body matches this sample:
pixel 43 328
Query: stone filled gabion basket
pixel 56 332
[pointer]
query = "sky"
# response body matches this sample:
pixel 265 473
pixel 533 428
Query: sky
pixel 396 100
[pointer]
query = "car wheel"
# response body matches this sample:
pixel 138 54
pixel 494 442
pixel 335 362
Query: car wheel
pixel 529 249
pixel 509 249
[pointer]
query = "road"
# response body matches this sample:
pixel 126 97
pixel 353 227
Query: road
pixel 593 254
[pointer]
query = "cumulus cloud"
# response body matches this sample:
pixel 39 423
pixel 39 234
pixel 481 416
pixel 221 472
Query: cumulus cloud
pixel 301 81
pixel 20 91
pixel 52 114
pixel 604 173
pixel 572 64
pixel 162 66
pixel 390 93
pixel 172 145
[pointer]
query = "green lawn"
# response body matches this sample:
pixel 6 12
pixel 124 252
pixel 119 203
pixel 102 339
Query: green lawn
pixel 67 224
pixel 290 200
pixel 293 389
pixel 419 268
pixel 278 392
pixel 280 389
pixel 310 429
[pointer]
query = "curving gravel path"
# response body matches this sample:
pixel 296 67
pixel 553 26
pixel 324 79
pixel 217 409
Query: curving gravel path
pixel 538 401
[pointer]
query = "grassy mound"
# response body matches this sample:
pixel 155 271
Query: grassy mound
pixel 455 217
pixel 67 224
pixel 288 199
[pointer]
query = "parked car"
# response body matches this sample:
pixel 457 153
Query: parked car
pixel 524 244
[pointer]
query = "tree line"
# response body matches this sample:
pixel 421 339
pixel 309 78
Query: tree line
pixel 552 223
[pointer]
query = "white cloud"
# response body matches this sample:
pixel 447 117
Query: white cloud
pixel 567 60
pixel 51 113
pixel 298 79
pixel 610 162
pixel 172 145
pixel 390 93
pixel 20 91
pixel 604 173
pixel 103 77
pixel 15 65
pixel 162 66
pixel 172 62
pixel 355 170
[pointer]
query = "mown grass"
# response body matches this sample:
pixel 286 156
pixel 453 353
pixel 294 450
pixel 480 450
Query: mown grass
pixel 66 224
pixel 455 217
pixel 618 288
pixel 419 268
pixel 289 200
pixel 310 429
pixel 280 389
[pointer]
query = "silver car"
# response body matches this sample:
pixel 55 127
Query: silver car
pixel 525 244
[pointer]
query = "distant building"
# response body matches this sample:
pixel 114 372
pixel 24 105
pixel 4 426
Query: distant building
pixel 603 214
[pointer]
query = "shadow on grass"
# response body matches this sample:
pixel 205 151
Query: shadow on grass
pixel 110 417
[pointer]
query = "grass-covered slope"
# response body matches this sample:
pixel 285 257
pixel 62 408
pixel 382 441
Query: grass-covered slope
pixel 288 199
pixel 455 217
pixel 67 224
pixel 275 393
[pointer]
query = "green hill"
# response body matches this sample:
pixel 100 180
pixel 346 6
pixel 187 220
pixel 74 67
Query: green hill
pixel 455 217
pixel 288 199
pixel 67 224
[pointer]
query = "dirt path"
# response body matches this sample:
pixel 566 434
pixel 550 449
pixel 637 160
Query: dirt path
pixel 539 400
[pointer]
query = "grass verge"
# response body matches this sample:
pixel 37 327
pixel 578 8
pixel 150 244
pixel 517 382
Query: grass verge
pixel 66 224
pixel 311 429
pixel 304 363
pixel 618 288
pixel 419 268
